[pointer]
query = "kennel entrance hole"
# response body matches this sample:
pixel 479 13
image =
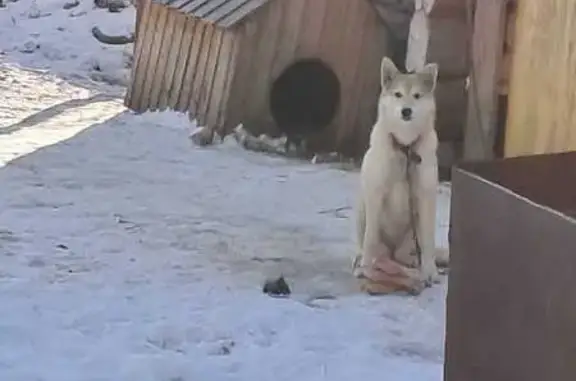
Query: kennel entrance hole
pixel 305 97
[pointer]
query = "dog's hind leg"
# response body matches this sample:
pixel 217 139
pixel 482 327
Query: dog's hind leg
pixel 360 234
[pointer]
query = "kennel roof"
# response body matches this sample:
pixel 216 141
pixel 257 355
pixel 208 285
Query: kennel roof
pixel 227 13
pixel 224 13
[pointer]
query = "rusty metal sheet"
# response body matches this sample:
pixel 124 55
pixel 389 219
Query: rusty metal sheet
pixel 511 303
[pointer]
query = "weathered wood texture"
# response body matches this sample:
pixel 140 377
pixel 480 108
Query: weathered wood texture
pixel 347 35
pixel 487 53
pixel 181 63
pixel 448 47
pixel 542 101
pixel 222 74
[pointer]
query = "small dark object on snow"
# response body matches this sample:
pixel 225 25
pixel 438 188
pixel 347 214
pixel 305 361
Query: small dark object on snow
pixel 71 4
pixel 62 246
pixel 276 287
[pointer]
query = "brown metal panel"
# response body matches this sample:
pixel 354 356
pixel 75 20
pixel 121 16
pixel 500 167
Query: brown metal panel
pixel 511 303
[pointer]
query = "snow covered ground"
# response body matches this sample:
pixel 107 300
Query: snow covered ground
pixel 128 254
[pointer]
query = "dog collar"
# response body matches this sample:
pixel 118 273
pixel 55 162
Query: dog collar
pixel 407 149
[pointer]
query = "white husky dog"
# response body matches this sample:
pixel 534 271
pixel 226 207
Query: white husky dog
pixel 391 257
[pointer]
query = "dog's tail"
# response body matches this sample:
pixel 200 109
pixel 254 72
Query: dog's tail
pixel 442 256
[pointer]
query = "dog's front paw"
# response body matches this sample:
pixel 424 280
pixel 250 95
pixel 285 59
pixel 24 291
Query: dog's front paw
pixel 430 276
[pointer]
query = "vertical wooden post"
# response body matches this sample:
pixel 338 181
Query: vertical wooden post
pixel 419 35
pixel 487 51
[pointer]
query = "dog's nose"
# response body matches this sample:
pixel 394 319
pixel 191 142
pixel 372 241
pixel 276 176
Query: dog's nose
pixel 406 113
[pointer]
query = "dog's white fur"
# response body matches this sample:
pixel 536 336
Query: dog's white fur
pixel 383 206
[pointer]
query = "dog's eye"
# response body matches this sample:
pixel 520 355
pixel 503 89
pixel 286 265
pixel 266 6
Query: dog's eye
pixel 417 95
pixel 398 94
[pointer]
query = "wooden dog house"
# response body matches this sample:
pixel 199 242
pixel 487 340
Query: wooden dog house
pixel 262 63
pixel 275 64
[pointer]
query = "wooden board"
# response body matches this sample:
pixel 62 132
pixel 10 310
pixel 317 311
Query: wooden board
pixel 542 101
pixel 179 21
pixel 191 66
pixel 142 56
pixel 207 43
pixel 183 61
pixel 220 78
pixel 158 81
pixel 151 72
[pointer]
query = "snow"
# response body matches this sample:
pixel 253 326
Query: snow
pixel 130 254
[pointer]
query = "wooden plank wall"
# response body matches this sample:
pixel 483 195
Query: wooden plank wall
pixel 347 35
pixel 542 95
pixel 487 51
pixel 181 63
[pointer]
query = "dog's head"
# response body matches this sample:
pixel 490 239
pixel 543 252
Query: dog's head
pixel 407 100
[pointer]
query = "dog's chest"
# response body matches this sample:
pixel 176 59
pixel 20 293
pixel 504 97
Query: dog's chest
pixel 397 204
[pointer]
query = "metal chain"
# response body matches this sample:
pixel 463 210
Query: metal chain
pixel 412 208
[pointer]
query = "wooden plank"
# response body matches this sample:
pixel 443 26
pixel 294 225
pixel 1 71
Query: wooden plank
pixel 331 52
pixel 142 55
pixel 356 133
pixel 374 48
pixel 206 90
pixel 191 67
pixel 154 55
pixel 259 118
pixel 220 77
pixel 183 61
pixel 172 60
pixel 348 67
pixel 291 29
pixel 199 79
pixel 311 28
pixel 487 44
pixel 247 34
pixel 542 99
pixel 225 122
pixel 162 62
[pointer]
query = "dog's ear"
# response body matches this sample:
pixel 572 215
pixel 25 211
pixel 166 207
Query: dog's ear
pixel 387 72
pixel 429 75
